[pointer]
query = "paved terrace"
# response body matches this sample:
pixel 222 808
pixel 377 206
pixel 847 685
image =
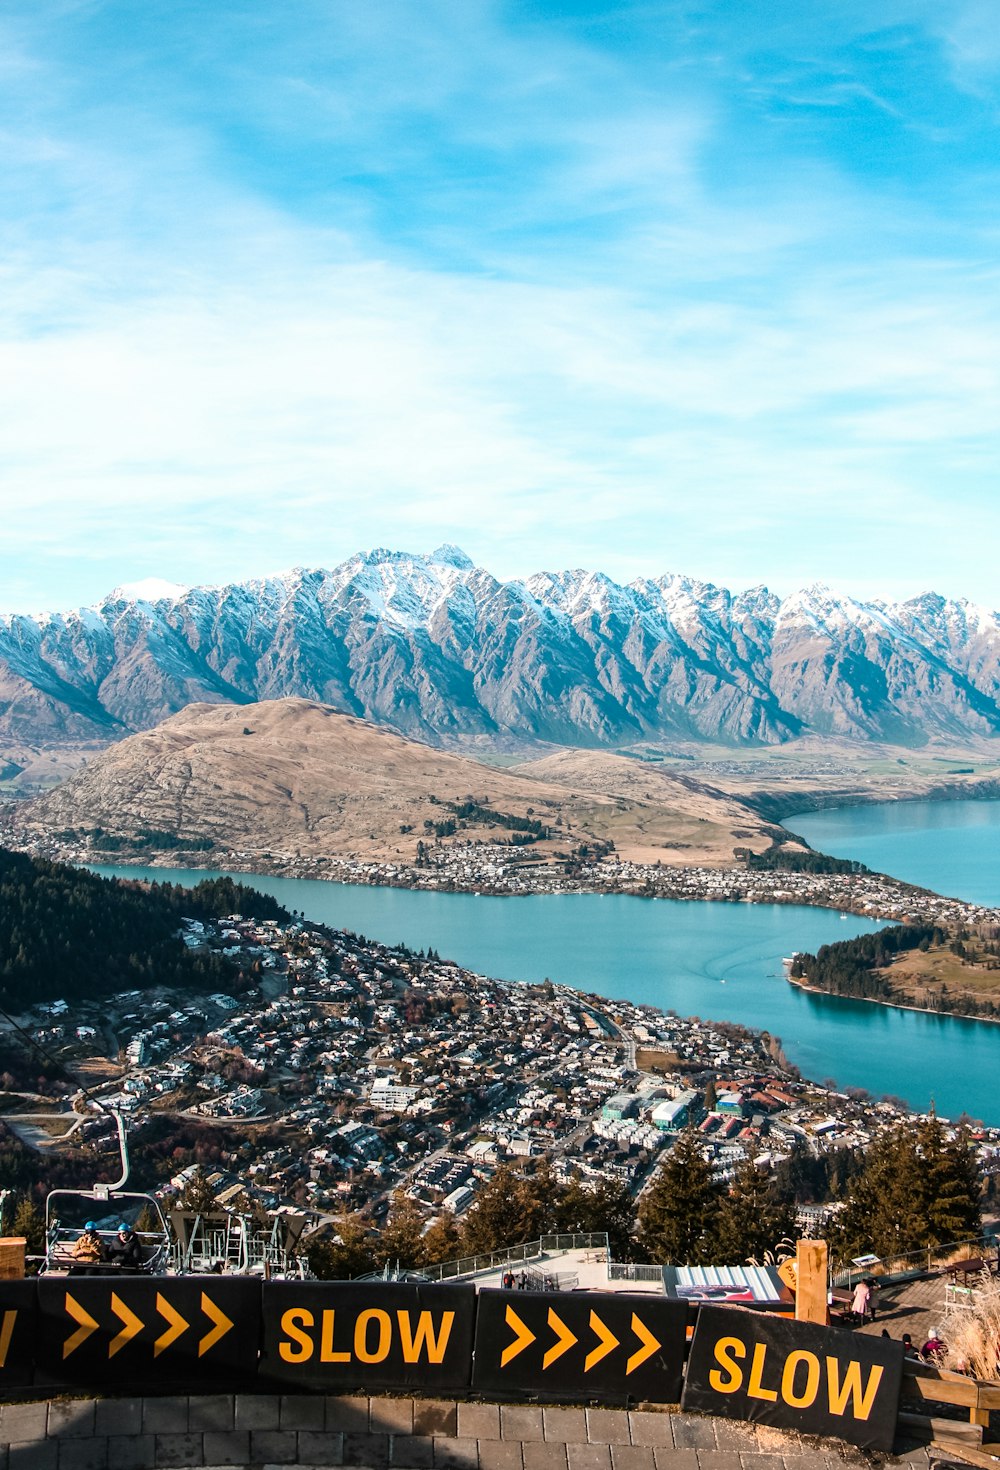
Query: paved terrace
pixel 256 1431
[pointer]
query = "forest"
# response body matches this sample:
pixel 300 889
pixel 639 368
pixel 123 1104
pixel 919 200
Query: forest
pixel 851 966
pixel 67 933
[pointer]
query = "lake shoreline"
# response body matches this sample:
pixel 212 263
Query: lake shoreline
pixel 893 1005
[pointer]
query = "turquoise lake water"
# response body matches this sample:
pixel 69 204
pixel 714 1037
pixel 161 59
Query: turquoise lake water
pixel 718 961
pixel 952 847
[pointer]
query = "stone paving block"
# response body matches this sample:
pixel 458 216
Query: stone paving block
pixel 567 1426
pixel 814 1460
pixel 84 1454
pixel 610 1426
pixel 499 1454
pixel 72 1418
pixel 435 1416
pixel 589 1456
pixel 521 1421
pixel 41 1456
pixel 649 1428
pixel 544 1456
pixel 304 1411
pixel 667 1459
pixel 210 1411
pixel 165 1416
pixel 479 1421
pixel 753 1461
pixel 131 1451
pixel 256 1411
pixel 227 1447
pixel 118 1416
pixel 366 1449
pixel 345 1412
pixel 632 1457
pixel 452 1453
pixel 390 1416
pixel 179 1449
pixel 273 1446
pixel 320 1448
pixel 692 1433
pixel 722 1460
pixel 411 1451
pixel 24 1423
pixel 733 1434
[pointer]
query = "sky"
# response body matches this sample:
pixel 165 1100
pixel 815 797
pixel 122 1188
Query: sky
pixel 708 288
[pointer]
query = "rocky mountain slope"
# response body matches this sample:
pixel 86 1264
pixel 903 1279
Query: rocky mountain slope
pixel 439 649
pixel 296 777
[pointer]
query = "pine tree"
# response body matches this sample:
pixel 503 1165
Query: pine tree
pixel 198 1194
pixel 350 1255
pixel 677 1214
pixel 711 1095
pixel 401 1237
pixel 511 1209
pixel 951 1183
pixel 443 1241
pixel 752 1220
pixel 605 1206
pixel 28 1222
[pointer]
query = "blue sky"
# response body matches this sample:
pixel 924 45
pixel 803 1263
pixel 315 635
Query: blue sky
pixel 699 287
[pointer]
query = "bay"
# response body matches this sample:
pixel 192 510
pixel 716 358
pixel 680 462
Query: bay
pixel 951 847
pixel 715 960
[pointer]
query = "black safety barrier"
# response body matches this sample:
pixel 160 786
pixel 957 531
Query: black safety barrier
pixel 610 1345
pixel 18 1333
pixel 146 1331
pixel 332 1335
pixel 795 1375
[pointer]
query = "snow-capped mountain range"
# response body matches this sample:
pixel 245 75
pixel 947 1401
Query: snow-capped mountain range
pixel 441 650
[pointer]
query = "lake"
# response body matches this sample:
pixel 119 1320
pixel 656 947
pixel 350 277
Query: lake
pixel 952 847
pixel 715 960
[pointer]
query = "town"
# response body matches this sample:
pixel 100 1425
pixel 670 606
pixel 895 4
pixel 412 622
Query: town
pixel 340 1070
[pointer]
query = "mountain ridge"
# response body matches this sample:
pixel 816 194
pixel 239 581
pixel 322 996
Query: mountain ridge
pixel 442 651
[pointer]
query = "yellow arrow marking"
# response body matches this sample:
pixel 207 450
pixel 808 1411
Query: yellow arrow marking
pixel 6 1333
pixel 524 1337
pixel 178 1325
pixel 86 1327
pixel 649 1345
pixel 218 1332
pixel 566 1339
pixel 131 1325
pixel 607 1345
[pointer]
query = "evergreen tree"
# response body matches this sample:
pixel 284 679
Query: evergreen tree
pixel 711 1095
pixel 951 1184
pixel 401 1237
pixel 442 1242
pixel 29 1222
pixel 752 1220
pixel 509 1210
pixel 351 1254
pixel 198 1195
pixel 677 1213
pixel 605 1206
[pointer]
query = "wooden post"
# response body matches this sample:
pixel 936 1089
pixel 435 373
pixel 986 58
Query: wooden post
pixel 811 1283
pixel 12 1249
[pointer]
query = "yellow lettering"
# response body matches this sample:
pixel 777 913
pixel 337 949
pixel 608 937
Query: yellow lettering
pixel 361 1350
pixel 754 1389
pixel 414 1342
pixel 851 1387
pixel 300 1350
pixel 807 1397
pixel 6 1333
pixel 726 1350
pixel 326 1352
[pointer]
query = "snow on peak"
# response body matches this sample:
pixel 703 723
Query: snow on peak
pixel 450 555
pixel 149 589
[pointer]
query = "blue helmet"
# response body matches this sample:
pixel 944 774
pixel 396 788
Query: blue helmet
pixel 90 1225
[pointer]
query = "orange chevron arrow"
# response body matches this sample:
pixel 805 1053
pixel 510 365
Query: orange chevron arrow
pixel 523 1338
pixel 648 1348
pixel 565 1341
pixel 131 1325
pixel 607 1344
pixel 178 1325
pixel 218 1332
pixel 86 1327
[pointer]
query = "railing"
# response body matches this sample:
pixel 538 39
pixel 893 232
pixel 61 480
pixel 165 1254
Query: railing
pixel 634 1271
pixel 531 1250
pixel 914 1263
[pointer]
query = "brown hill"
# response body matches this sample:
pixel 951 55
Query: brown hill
pixel 294 776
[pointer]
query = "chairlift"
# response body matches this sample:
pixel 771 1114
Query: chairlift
pixel 101 1211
